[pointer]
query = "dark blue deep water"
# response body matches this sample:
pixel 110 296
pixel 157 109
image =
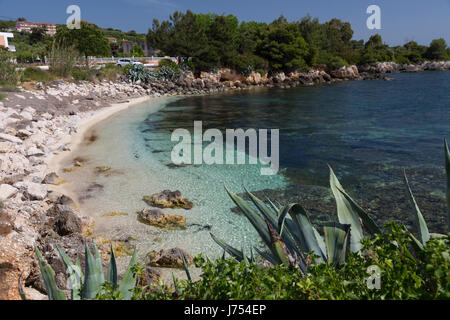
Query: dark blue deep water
pixel 368 131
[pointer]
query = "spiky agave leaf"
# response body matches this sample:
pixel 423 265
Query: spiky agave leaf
pixel 175 284
pixel 238 254
pixel 275 218
pixel 129 279
pixel 267 256
pixel 420 221
pixel 94 277
pixel 112 269
pixel 255 219
pixel 19 284
pixel 346 213
pixel 186 269
pixel 306 231
pixel 73 273
pixel 371 226
pixel 336 236
pixel 267 212
pixel 447 170
pixel 278 246
pixel 48 274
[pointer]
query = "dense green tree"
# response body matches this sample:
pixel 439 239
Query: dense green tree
pixel 375 51
pixel 137 51
pixel 89 40
pixel 37 35
pixel 414 52
pixel 183 36
pixel 283 46
pixel 437 50
pixel 7 24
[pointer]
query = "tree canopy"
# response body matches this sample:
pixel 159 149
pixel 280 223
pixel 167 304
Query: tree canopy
pixel 210 41
pixel 89 40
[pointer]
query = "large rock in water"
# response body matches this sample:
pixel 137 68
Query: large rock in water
pixel 350 72
pixel 168 199
pixel 159 219
pixel 53 178
pixel 171 258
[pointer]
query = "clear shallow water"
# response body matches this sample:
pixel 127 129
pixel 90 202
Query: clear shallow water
pixel 367 130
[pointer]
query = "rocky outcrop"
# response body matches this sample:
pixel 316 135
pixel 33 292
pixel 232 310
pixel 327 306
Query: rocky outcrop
pixel 7 191
pixel 168 258
pixel 157 218
pixel 346 73
pixel 168 199
pixel 391 67
pixel 54 179
pixel 149 276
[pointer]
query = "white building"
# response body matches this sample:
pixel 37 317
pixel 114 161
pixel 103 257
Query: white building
pixel 4 41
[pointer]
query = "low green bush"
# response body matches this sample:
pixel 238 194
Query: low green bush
pixel 169 64
pixel 2 96
pixel 8 73
pixel 403 276
pixel 36 74
pixel 81 74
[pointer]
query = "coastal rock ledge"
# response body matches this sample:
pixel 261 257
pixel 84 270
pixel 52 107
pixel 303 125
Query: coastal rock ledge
pixel 169 258
pixel 157 218
pixel 168 199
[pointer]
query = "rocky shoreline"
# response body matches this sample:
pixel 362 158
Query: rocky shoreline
pixel 34 125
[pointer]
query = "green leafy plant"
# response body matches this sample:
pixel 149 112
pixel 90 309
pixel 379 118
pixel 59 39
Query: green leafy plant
pixel 8 73
pixel 36 74
pixel 168 63
pixel 404 276
pixel 289 234
pixel 87 286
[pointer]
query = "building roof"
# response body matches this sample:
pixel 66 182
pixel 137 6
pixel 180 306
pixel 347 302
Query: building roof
pixel 29 23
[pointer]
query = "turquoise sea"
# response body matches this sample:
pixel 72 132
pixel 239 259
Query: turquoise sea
pixel 368 131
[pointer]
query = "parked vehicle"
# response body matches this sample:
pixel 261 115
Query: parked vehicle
pixel 126 61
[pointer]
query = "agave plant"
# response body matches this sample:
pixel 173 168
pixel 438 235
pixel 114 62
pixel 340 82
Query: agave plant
pixel 88 285
pixel 289 234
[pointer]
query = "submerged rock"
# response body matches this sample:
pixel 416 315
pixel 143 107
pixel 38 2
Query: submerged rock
pixel 149 276
pixel 169 258
pixel 159 219
pixel 102 169
pixel 114 214
pixel 168 199
pixel 53 178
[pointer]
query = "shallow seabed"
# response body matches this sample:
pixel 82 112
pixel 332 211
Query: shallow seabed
pixel 367 130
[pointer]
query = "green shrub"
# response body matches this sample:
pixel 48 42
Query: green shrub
pixel 403 276
pixel 110 72
pixel 62 59
pixel 36 74
pixel 7 87
pixel 92 284
pixel 2 96
pixel 330 61
pixel 81 74
pixel 8 73
pixel 169 64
